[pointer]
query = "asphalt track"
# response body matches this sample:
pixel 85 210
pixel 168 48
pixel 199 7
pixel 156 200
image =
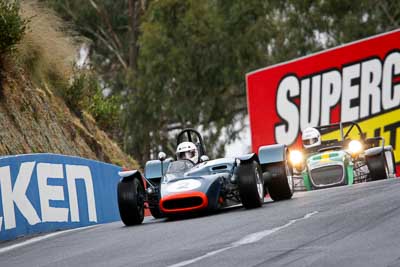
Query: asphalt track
pixel 345 226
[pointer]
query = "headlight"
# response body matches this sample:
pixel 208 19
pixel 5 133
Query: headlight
pixel 355 147
pixel 296 157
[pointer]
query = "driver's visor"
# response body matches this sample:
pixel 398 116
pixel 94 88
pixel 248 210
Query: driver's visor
pixel 186 154
pixel 311 141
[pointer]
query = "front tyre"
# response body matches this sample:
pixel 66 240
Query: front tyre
pixel 251 186
pixel 131 201
pixel 280 182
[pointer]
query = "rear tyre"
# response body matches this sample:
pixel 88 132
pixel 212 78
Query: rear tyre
pixel 251 186
pixel 377 166
pixel 390 163
pixel 280 183
pixel 156 212
pixel 131 201
pixel 154 201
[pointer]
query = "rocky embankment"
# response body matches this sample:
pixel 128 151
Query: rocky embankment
pixel 35 120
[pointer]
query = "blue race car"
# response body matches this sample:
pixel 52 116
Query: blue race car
pixel 194 183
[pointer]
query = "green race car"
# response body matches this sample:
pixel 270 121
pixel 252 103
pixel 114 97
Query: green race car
pixel 351 159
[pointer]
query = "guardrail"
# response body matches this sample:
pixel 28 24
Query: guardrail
pixel 48 192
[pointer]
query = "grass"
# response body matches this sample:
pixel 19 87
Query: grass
pixel 46 51
pixel 44 62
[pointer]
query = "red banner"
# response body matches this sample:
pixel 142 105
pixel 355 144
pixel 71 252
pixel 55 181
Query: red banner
pixel 359 82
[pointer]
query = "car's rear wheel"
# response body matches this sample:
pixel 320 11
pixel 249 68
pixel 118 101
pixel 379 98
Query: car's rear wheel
pixel 154 200
pixel 251 185
pixel 378 169
pixel 131 201
pixel 390 162
pixel 156 212
pixel 280 182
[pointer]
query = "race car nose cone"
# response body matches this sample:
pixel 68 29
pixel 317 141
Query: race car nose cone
pixel 183 202
pixel 183 185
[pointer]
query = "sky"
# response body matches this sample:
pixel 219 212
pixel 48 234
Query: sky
pixel 242 145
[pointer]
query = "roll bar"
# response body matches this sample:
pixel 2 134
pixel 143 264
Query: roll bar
pixel 189 132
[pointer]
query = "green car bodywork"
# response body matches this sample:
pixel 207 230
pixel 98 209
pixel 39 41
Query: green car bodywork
pixel 371 161
pixel 326 158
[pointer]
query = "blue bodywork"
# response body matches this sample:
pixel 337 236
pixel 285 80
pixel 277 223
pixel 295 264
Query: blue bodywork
pixel 211 178
pixel 152 169
pixel 272 154
pixel 177 187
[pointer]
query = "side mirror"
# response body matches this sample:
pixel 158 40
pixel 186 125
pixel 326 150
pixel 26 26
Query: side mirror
pixel 162 156
pixel 204 158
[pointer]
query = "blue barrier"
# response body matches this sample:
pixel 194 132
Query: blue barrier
pixel 47 192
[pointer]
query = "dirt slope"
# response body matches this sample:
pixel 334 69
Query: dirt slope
pixel 35 120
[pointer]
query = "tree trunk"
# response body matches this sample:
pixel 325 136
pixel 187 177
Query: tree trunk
pixel 134 17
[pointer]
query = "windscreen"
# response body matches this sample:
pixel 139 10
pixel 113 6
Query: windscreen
pixel 177 169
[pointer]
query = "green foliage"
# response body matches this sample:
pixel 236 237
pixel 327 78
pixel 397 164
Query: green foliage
pixel 106 111
pixel 188 64
pixel 194 55
pixel 85 93
pixel 12 26
pixel 105 24
pixel 79 92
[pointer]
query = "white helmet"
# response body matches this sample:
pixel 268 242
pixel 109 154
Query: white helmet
pixel 187 150
pixel 311 137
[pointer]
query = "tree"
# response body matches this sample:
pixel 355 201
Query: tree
pixel 12 26
pixel 183 63
pixel 189 63
pixel 112 30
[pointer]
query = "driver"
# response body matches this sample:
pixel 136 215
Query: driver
pixel 311 137
pixel 187 150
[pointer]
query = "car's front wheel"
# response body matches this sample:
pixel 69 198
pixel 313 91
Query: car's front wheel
pixel 131 201
pixel 251 185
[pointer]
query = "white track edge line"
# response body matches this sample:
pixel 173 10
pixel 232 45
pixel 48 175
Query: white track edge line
pixel 41 238
pixel 248 239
